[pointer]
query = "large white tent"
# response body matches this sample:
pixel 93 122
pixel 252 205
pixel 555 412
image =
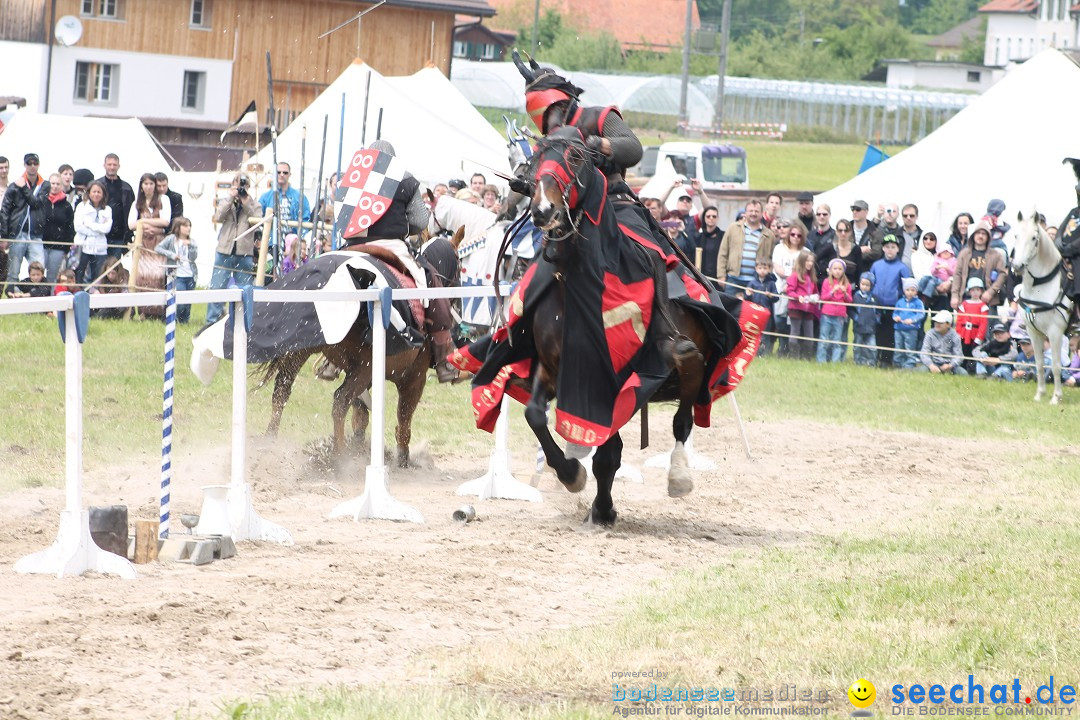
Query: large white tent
pixel 1007 144
pixel 438 133
pixel 81 142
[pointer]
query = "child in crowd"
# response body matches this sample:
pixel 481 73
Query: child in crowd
pixel 995 357
pixel 865 321
pixel 1071 374
pixel 907 321
pixel 1024 369
pixel 942 269
pixel 941 348
pixel 65 282
pixel 922 259
pixel 181 253
pixel 763 292
pixel 115 281
pixel 972 319
pixel 291 260
pixel 802 305
pixel 31 286
pixel 887 274
pixel 835 296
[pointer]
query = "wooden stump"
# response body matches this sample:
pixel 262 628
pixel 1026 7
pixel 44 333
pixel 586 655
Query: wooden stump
pixel 146 541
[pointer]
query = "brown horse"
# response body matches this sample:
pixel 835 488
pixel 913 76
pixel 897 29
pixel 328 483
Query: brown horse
pixel 406 368
pixel 564 177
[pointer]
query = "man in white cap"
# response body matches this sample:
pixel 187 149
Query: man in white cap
pixel 942 351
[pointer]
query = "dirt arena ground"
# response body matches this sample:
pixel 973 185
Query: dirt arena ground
pixel 356 602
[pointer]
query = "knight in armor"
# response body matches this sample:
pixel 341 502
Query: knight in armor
pixel 1068 239
pixel 552 102
pixel 407 214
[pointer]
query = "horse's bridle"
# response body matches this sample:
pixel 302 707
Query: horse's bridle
pixel 569 186
pixel 1032 307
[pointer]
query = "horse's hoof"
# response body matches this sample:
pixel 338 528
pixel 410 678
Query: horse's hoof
pixel 1055 400
pixel 680 483
pixel 600 519
pixel 581 476
pixel 1038 397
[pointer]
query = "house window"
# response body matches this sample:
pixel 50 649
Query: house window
pixel 459 49
pixel 200 13
pixel 974 76
pixel 94 82
pixel 487 51
pixel 194 91
pixel 104 9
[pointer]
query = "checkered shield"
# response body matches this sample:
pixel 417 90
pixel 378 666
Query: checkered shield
pixel 365 192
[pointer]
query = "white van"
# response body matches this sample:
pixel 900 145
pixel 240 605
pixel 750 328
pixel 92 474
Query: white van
pixel 718 167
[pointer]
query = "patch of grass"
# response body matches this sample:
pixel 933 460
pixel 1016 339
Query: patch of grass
pixel 122 401
pixel 986 591
pixel 854 396
pixel 392 704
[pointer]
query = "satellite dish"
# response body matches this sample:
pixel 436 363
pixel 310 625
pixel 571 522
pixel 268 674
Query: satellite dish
pixel 68 30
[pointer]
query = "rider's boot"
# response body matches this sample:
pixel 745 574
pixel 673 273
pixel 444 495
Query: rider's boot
pixel 441 347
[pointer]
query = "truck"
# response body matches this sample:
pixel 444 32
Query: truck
pixel 718 167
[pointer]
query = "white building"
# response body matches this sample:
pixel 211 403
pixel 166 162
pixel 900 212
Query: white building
pixel 941 75
pixel 1017 30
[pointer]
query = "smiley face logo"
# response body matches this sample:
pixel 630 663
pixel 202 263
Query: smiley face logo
pixel 862 693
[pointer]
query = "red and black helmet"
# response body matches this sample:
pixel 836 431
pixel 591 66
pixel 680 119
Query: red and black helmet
pixel 543 88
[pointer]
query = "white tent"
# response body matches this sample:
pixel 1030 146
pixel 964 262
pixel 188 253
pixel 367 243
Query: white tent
pixel 433 129
pixel 81 142
pixel 1007 144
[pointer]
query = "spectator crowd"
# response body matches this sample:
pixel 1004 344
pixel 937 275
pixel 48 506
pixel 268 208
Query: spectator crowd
pixel 898 295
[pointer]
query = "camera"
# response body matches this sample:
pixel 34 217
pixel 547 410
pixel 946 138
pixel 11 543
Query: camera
pixel 242 187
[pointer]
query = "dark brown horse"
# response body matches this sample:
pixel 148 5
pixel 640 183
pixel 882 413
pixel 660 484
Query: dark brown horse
pixel 564 175
pixel 406 368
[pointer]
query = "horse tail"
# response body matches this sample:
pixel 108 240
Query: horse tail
pixel 267 371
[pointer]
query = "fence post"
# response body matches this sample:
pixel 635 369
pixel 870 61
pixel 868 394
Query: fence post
pixel 136 249
pixel 264 245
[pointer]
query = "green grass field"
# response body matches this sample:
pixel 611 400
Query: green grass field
pixel 988 587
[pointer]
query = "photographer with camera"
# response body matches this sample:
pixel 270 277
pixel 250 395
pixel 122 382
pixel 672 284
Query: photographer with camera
pixel 234 253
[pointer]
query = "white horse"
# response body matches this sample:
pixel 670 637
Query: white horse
pixel 1043 297
pixel 478 251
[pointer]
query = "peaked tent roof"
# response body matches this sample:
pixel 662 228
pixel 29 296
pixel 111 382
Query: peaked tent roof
pixel 436 132
pixel 81 142
pixel 1006 144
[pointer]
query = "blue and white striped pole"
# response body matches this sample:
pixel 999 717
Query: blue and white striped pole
pixel 167 403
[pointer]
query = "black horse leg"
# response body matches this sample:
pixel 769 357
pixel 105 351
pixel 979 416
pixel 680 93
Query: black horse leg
pixel 690 365
pixel 605 464
pixel 283 385
pixel 570 472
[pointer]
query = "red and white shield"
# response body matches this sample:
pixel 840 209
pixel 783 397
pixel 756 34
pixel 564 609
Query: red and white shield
pixel 365 191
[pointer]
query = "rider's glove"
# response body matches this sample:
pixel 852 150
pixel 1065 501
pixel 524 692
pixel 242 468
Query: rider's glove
pixel 595 143
pixel 521 185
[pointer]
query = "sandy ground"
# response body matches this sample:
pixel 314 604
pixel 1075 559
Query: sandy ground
pixel 355 602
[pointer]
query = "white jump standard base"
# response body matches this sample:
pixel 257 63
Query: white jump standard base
pixel 376 501
pixel 696 459
pixel 74 552
pixel 499 481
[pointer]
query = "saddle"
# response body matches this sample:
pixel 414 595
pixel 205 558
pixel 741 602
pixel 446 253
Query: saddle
pixel 380 253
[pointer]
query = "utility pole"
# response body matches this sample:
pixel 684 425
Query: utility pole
pixel 536 30
pixel 684 114
pixel 721 71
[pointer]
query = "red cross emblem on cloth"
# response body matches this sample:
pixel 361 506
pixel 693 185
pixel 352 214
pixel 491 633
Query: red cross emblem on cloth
pixel 365 191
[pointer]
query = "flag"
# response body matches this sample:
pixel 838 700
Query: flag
pixel 248 117
pixel 873 156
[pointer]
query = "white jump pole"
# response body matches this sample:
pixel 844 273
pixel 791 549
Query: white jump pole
pixel 499 481
pixel 246 523
pixel 376 501
pixel 74 551
pixel 742 428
